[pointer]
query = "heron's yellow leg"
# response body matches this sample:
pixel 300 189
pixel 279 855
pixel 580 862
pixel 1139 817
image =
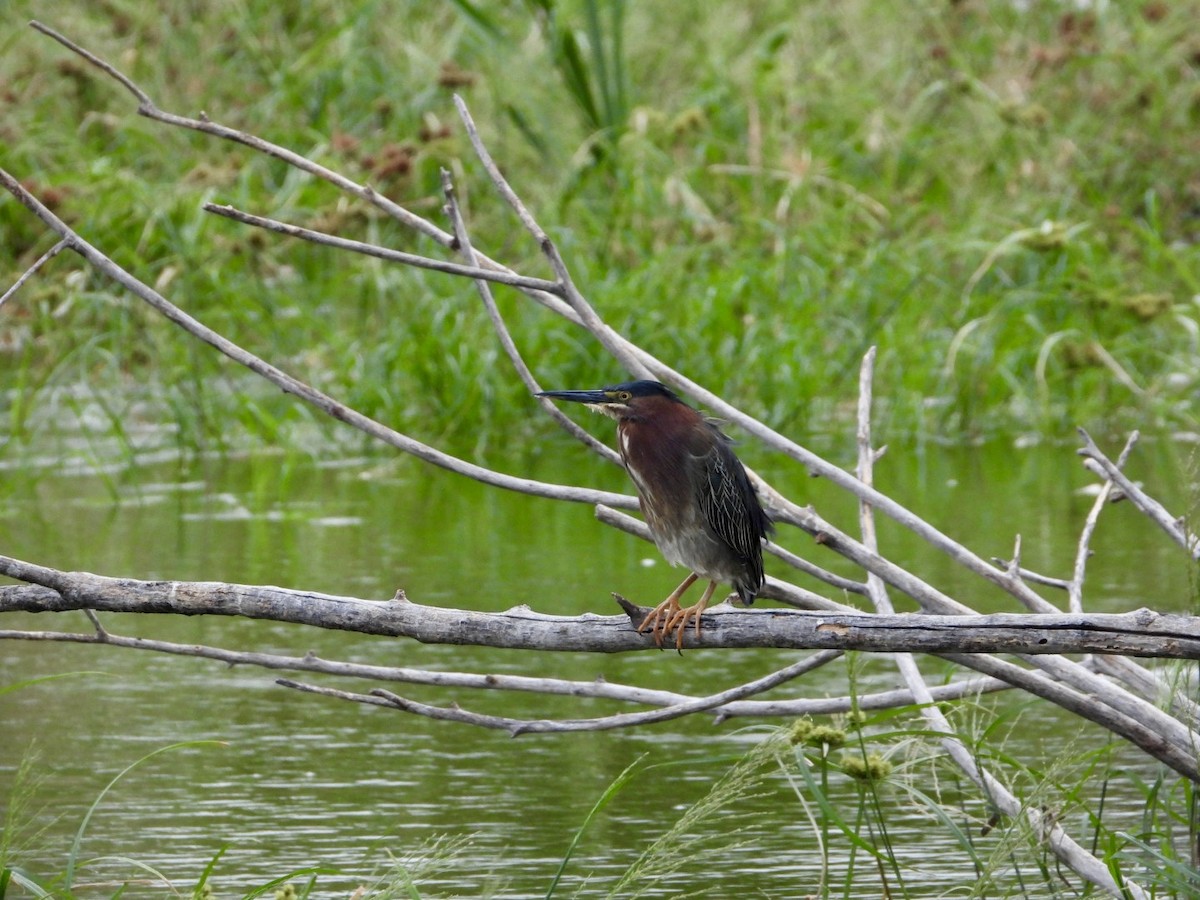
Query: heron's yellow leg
pixel 666 611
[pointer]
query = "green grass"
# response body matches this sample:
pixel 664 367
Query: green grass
pixel 1003 200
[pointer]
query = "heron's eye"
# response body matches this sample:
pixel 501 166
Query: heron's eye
pixel 624 396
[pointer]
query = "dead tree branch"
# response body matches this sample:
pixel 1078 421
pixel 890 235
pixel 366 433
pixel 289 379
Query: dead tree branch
pixel 1085 864
pixel 1153 510
pixel 1139 633
pixel 597 689
pixel 517 727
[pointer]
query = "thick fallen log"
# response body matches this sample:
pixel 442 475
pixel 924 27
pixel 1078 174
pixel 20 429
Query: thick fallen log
pixel 1142 632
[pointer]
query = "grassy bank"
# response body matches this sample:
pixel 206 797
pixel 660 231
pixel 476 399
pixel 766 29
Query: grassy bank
pixel 1004 200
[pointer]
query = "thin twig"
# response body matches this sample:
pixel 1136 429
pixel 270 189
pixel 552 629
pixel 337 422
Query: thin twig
pixel 600 689
pixel 612 342
pixel 1013 565
pixel 517 727
pixel 32 270
pixel 409 259
pixel 101 634
pixel 498 180
pixel 295 386
pixel 849 585
pixel 1083 551
pixel 1155 511
pixel 506 341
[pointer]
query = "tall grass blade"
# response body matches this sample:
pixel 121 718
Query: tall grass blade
pixel 198 891
pixel 940 812
pixel 575 73
pixel 607 43
pixel 599 62
pixel 479 19
pixel 830 812
pixel 284 879
pixel 681 845
pixel 1176 873
pixel 19 878
pixel 136 864
pixel 521 121
pixel 73 856
pixel 29 682
pixel 611 791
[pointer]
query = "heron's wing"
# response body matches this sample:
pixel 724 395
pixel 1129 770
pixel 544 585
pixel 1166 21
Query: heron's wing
pixel 730 506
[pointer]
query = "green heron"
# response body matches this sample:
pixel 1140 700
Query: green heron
pixel 693 491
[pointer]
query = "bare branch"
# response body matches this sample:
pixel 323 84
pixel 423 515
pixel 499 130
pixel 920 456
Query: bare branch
pixel 147 108
pixel 1075 585
pixel 517 727
pixel 1013 565
pixel 32 270
pixel 1141 633
pixel 1156 512
pixel 506 342
pixel 611 341
pixel 849 585
pixel 409 259
pixel 598 688
pixel 294 386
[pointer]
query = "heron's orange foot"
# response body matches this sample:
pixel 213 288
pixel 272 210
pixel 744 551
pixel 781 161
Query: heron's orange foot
pixel 659 618
pixel 679 621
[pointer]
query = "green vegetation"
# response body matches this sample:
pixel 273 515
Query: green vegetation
pixel 1001 196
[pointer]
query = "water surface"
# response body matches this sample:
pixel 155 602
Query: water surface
pixel 297 781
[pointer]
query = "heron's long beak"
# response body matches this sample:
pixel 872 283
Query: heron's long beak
pixel 591 397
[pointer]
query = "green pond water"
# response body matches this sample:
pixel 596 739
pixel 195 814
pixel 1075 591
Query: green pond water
pixel 298 781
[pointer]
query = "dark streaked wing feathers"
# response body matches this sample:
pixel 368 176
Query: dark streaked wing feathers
pixel 732 510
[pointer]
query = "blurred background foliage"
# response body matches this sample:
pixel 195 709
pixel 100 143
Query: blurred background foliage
pixel 1004 197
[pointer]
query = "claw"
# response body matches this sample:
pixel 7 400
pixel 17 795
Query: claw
pixel 665 612
pixel 659 618
pixel 670 617
pixel 679 620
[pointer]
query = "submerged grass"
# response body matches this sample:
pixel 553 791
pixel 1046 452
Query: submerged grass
pixel 1002 197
